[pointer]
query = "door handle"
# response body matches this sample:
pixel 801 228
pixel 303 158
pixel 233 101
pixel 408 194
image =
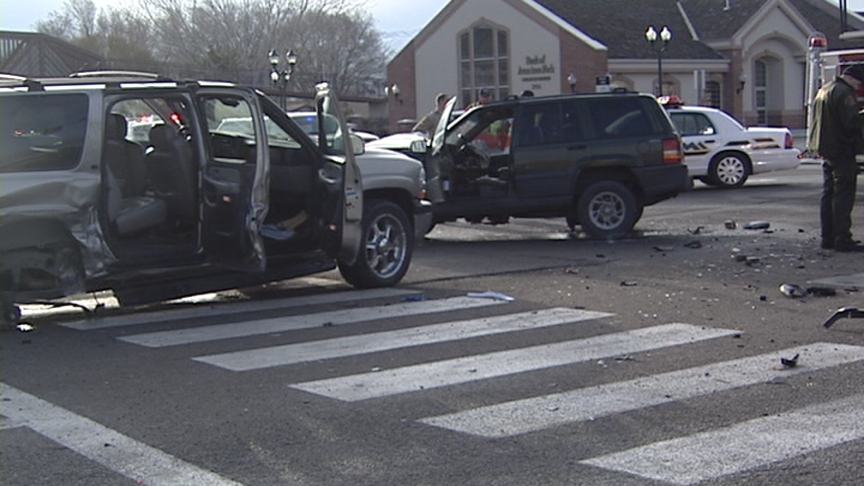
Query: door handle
pixel 710 141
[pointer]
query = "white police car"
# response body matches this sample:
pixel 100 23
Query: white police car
pixel 720 151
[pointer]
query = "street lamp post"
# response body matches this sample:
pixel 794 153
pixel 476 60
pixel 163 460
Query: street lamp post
pixel 659 47
pixel 571 80
pixel 281 78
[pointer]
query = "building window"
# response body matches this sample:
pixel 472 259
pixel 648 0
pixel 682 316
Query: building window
pixel 712 94
pixel 760 92
pixel 484 62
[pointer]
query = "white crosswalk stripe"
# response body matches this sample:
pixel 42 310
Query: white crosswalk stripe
pixel 222 309
pixel 744 446
pixel 474 368
pixel 686 460
pixel 522 416
pixel 368 343
pixel 292 323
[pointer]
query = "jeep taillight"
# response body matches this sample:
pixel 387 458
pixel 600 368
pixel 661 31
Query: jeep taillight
pixel 789 140
pixel 672 151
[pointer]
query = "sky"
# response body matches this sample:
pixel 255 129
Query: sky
pixel 397 20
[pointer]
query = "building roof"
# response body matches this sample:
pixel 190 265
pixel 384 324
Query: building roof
pixel 32 54
pixel 621 24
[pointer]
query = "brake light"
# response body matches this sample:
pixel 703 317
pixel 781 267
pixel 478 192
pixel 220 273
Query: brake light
pixel 789 140
pixel 672 151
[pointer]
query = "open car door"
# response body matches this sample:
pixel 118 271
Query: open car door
pixel 234 185
pixel 341 177
pixel 434 180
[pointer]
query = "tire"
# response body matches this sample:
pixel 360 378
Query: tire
pixel 608 210
pixel 728 170
pixel 388 244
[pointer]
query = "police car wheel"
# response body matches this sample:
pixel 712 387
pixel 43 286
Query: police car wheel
pixel 728 170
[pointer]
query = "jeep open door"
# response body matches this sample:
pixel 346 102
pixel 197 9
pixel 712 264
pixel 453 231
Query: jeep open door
pixel 234 185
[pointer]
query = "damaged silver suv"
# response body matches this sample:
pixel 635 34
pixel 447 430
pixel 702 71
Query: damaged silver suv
pixel 136 183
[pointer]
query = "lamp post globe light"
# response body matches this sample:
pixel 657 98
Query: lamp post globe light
pixel 663 37
pixel 280 78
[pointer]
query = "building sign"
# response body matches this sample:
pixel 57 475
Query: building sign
pixel 536 71
pixel 603 84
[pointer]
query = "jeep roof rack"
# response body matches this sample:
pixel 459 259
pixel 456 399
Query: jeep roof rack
pixel 126 74
pixel 30 84
pixel 100 74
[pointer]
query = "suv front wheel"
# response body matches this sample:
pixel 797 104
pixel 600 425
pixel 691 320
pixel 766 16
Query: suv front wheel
pixel 388 242
pixel 608 210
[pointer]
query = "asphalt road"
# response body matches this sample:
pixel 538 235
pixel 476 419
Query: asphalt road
pixel 646 361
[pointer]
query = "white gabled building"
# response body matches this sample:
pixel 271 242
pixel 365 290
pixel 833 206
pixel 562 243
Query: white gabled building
pixel 747 57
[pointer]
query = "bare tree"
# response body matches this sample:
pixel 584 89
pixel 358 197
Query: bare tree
pixel 334 40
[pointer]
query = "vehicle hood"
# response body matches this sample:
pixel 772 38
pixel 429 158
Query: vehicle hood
pixel 386 169
pixel 398 141
pixel 380 160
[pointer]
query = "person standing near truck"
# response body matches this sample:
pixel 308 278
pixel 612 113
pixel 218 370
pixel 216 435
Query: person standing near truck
pixel 837 136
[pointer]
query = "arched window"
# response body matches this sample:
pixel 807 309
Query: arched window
pixel 484 61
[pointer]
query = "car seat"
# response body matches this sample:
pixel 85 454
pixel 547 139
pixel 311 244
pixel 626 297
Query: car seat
pixel 173 172
pixel 124 157
pixel 132 215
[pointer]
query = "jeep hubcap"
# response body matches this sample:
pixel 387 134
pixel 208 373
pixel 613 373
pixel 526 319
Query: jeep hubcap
pixel 607 210
pixel 385 246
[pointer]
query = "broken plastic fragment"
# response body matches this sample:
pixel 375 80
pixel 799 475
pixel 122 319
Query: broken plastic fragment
pixel 756 225
pixel 25 327
pixel 792 291
pixel 491 295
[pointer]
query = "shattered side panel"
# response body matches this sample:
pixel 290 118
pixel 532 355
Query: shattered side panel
pixel 49 206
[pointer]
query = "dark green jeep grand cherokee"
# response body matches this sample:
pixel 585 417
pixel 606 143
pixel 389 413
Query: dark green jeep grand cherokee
pixel 596 159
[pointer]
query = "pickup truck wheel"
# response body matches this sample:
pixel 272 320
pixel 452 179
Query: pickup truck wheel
pixel 728 170
pixel 608 210
pixel 388 243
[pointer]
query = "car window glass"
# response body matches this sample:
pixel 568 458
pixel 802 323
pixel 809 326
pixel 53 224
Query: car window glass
pixel 620 117
pixel 329 129
pixel 549 123
pixel 232 133
pixel 689 124
pixel 42 132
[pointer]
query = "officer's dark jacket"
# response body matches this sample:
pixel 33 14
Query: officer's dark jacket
pixel 836 129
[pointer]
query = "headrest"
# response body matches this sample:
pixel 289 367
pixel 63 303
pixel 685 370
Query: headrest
pixel 116 127
pixel 162 135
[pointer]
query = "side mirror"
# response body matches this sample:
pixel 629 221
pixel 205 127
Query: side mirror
pixel 358 145
pixel 418 147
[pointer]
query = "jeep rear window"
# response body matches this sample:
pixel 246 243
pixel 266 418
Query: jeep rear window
pixel 40 132
pixel 622 117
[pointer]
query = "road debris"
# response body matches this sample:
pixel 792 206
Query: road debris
pixel 757 225
pixel 790 362
pixel 822 291
pixel 729 224
pixel 849 312
pixel 25 327
pixel 491 295
pixel 792 291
